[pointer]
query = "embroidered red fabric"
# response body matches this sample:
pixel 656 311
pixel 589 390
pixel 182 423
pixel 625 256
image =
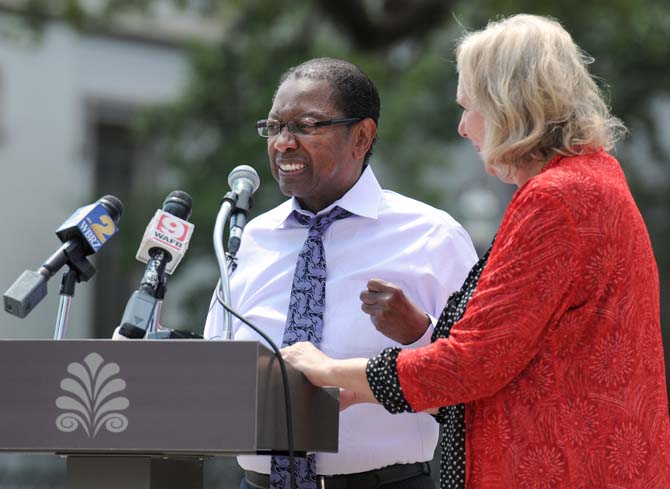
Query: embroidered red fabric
pixel 559 356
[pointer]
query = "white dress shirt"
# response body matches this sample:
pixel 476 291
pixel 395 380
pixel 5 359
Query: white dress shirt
pixel 391 237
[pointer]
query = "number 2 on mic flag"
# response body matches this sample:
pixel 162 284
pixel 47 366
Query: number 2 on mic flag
pixel 94 224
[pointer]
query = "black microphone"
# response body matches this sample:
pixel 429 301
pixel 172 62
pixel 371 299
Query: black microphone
pixel 82 234
pixel 244 181
pixel 163 245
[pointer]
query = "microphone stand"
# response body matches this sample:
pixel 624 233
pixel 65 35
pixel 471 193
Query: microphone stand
pixel 227 206
pixel 154 326
pixel 66 294
pixel 79 270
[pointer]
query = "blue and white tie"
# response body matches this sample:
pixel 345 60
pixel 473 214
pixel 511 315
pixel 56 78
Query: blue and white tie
pixel 304 322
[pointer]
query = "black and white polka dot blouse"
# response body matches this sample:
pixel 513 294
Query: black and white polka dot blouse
pixel 382 376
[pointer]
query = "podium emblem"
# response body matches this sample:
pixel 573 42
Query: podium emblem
pixel 91 401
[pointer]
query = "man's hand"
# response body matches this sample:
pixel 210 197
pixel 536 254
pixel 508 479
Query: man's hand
pixel 117 335
pixel 392 313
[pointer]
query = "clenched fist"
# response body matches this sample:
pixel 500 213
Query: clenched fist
pixel 393 313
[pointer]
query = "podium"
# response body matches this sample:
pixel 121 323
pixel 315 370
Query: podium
pixel 144 414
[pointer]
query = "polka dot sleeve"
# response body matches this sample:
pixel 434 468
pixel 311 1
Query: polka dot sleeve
pixel 382 377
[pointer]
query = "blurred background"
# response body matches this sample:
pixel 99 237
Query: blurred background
pixel 137 98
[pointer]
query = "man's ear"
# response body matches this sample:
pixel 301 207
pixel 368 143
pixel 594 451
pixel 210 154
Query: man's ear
pixel 364 133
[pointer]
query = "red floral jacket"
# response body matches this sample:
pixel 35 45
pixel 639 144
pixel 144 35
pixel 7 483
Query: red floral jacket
pixel 558 356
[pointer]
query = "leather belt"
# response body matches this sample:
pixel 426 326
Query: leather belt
pixel 372 479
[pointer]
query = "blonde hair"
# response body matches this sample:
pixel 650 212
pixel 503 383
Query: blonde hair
pixel 529 80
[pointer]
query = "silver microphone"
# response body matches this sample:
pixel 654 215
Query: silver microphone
pixel 244 181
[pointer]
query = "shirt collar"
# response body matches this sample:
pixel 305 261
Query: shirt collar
pixel 362 200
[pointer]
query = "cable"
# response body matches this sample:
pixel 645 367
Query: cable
pixel 287 391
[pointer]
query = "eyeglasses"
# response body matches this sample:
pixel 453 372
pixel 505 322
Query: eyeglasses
pixel 268 128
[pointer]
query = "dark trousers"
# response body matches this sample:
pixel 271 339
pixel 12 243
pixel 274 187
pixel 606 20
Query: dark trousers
pixel 419 481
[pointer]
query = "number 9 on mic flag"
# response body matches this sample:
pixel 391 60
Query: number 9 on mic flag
pixel 167 232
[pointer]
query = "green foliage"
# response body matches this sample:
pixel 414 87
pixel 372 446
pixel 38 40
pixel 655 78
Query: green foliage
pixel 211 129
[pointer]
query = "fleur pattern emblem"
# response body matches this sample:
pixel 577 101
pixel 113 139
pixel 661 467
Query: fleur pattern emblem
pixel 90 402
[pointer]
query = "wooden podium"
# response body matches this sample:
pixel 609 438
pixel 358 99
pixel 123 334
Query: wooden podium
pixel 144 414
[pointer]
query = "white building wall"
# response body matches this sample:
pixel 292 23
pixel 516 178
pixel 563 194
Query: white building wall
pixel 44 174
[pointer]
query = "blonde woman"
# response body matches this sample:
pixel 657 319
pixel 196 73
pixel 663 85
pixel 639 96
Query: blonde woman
pixel 547 366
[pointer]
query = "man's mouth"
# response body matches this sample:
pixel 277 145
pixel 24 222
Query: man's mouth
pixel 291 167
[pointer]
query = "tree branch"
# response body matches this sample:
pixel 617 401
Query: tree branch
pixel 398 19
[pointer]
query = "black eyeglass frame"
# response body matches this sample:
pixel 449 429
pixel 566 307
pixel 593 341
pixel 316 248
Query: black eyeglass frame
pixel 292 127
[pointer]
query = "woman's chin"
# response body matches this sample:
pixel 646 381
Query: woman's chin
pixel 502 173
pixel 491 170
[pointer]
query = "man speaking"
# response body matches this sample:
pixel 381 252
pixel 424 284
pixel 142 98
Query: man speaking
pixel 302 266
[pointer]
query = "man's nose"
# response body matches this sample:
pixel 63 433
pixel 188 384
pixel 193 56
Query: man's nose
pixel 285 140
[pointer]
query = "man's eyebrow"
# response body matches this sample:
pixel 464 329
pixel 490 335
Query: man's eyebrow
pixel 302 115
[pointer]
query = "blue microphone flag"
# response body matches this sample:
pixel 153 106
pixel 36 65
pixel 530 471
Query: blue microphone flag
pixel 92 223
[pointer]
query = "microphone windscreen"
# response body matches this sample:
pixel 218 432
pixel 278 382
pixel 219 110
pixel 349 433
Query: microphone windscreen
pixel 244 172
pixel 178 203
pixel 114 206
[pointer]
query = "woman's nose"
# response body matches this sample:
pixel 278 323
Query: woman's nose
pixel 461 127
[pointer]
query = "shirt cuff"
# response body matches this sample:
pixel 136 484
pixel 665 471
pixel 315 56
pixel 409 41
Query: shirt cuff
pixel 382 376
pixel 425 338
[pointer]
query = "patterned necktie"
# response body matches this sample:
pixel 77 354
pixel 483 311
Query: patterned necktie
pixel 304 322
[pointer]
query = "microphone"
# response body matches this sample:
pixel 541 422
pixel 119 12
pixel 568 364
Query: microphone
pixel 163 245
pixel 243 181
pixel 169 231
pixel 82 234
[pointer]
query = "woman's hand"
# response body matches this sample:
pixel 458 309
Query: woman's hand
pixel 349 398
pixel 322 371
pixel 311 361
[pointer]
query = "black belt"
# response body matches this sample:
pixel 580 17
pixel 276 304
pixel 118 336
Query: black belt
pixel 372 479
